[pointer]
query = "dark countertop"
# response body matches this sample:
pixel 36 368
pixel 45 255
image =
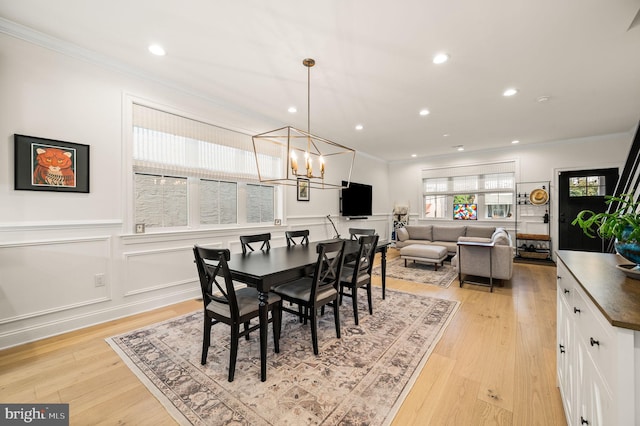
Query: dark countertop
pixel 613 293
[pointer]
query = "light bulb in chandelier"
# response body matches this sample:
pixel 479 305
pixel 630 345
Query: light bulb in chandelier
pixel 294 163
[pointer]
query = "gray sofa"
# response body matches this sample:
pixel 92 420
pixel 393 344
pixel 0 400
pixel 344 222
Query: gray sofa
pixel 440 235
pixel 476 259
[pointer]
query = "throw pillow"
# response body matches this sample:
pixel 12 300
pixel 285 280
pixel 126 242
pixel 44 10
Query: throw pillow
pixel 402 234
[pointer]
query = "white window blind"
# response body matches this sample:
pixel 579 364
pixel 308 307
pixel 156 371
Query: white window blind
pixel 169 143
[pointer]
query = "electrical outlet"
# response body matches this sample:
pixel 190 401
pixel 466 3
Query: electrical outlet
pixel 99 280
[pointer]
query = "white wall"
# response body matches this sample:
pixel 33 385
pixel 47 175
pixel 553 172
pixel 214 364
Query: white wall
pixel 53 245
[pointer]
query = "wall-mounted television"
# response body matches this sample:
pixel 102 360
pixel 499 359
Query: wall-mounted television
pixel 465 211
pixel 356 200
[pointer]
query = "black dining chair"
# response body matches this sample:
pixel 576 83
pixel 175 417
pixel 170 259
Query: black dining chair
pixel 226 304
pixel 246 241
pixel 316 291
pixel 358 274
pixel 302 236
pixel 355 233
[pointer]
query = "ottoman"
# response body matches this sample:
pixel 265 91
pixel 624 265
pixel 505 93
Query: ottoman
pixel 424 253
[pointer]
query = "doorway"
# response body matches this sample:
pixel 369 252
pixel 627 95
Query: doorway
pixel 582 190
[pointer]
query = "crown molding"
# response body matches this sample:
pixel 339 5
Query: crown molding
pixel 38 38
pixel 52 43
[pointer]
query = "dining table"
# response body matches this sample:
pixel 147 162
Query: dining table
pixel 264 269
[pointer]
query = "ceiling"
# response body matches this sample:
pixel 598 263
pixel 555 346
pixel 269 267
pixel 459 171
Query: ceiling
pixel 374 64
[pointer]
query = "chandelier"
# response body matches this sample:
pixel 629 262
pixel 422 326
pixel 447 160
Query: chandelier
pixel 308 156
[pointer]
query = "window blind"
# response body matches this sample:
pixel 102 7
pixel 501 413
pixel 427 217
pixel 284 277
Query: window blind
pixel 168 143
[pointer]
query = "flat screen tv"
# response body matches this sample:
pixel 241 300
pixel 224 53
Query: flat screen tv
pixel 465 211
pixel 356 200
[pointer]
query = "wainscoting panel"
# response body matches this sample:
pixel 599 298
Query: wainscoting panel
pixel 154 269
pixel 43 277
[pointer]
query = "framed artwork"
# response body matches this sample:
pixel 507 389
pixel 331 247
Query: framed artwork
pixel 50 165
pixel 303 189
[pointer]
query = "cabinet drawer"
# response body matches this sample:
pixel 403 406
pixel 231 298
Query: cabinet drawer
pixel 596 334
pixel 566 284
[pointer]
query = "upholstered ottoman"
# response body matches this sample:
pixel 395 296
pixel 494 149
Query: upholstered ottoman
pixel 424 253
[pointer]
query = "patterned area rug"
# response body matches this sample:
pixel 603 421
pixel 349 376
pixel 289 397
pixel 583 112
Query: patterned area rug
pixel 361 378
pixel 419 272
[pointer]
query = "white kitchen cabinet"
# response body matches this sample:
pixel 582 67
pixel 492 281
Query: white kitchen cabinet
pixel 598 363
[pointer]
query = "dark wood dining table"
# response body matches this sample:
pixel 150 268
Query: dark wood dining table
pixel 265 269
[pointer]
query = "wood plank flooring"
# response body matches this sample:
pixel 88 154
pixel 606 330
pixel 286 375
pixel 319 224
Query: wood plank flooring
pixel 495 364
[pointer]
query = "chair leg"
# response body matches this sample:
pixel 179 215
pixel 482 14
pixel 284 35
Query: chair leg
pixel 233 355
pixel 369 299
pixel 206 340
pixel 314 330
pixel 276 314
pixel 300 313
pixel 246 328
pixel 336 316
pixel 340 293
pixel 354 300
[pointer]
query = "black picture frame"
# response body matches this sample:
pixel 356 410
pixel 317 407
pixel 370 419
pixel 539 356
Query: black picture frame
pixel 31 174
pixel 303 189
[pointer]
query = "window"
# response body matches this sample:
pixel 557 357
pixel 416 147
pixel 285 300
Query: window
pixel 190 173
pixel 435 206
pixel 259 203
pixel 218 202
pixel 489 188
pixel 161 201
pixel 587 186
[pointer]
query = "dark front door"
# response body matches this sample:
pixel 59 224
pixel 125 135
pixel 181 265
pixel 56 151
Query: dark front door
pixel 582 190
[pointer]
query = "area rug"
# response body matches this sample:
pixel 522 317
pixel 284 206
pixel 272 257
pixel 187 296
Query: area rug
pixel 361 378
pixel 419 272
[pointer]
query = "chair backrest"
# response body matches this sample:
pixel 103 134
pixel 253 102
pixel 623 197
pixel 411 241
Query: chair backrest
pixel 328 266
pixel 246 241
pixel 366 254
pixel 357 232
pixel 215 278
pixel 303 236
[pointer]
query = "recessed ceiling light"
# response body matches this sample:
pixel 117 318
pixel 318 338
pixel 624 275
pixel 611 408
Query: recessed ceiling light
pixel 424 112
pixel 458 147
pixel 446 135
pixel 359 127
pixel 157 50
pixel 515 142
pixel 543 99
pixel 292 109
pixel 510 92
pixel 414 155
pixel 440 58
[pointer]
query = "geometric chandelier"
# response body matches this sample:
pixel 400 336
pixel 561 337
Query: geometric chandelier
pixel 309 157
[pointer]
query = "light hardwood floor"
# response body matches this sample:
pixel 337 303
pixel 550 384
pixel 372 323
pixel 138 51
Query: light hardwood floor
pixel 495 364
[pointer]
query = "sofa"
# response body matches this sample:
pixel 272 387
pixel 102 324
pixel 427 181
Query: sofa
pixel 475 259
pixel 440 235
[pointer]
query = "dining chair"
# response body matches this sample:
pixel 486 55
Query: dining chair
pixel 302 234
pixel 318 290
pixel 246 241
pixel 225 303
pixel 358 274
pixel 355 233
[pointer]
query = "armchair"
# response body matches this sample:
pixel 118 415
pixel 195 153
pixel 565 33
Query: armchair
pixel 485 257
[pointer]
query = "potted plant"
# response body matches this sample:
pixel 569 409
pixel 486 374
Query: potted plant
pixel 623 224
